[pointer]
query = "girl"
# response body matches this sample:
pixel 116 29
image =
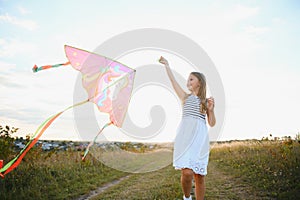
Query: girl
pixel 191 145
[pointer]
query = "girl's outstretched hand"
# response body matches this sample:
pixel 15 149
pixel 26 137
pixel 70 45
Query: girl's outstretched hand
pixel 210 103
pixel 164 61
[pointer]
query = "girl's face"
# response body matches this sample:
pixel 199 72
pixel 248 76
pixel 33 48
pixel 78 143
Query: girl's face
pixel 193 84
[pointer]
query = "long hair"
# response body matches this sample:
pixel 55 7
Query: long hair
pixel 202 91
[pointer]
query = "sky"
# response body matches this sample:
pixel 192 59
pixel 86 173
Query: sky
pixel 254 46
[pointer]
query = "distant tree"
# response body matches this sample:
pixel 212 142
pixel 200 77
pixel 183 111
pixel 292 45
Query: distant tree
pixel 6 141
pixel 297 138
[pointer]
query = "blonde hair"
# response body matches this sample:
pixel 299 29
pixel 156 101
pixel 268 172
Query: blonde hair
pixel 202 91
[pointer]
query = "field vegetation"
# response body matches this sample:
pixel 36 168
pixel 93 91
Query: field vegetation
pixel 252 169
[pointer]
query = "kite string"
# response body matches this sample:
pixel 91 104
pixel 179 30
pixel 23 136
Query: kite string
pixel 93 141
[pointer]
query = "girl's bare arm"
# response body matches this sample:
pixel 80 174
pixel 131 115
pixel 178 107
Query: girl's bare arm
pixel 211 118
pixel 179 91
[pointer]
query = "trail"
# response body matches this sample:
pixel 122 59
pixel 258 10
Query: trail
pixel 102 189
pixel 165 184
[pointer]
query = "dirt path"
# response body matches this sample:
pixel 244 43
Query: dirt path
pixel 219 185
pixel 102 189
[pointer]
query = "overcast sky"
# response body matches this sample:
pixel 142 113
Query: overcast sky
pixel 254 45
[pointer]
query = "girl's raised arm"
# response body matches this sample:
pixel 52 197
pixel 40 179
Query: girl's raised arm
pixel 179 91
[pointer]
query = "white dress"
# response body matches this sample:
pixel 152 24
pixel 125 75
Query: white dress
pixel 191 145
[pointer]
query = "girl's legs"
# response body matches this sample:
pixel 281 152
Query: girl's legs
pixel 186 181
pixel 199 186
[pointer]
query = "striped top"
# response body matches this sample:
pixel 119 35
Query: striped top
pixel 191 107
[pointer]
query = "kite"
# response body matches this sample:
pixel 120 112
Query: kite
pixel 108 84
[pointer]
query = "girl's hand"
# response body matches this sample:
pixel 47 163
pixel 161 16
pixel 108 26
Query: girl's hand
pixel 164 61
pixel 210 103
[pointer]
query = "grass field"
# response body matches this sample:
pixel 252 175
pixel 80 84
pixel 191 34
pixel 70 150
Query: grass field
pixel 134 162
pixel 237 170
pixel 55 175
pixel 272 168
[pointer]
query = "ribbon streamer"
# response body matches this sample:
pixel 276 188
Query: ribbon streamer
pixel 36 68
pixel 38 133
pixel 92 142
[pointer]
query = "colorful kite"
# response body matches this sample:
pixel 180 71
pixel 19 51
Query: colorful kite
pixel 108 84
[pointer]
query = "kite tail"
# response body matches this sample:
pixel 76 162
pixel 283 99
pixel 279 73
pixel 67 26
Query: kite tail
pixel 93 141
pixel 41 129
pixel 36 68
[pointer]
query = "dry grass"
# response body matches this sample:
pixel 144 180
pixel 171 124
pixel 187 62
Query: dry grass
pixel 237 170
